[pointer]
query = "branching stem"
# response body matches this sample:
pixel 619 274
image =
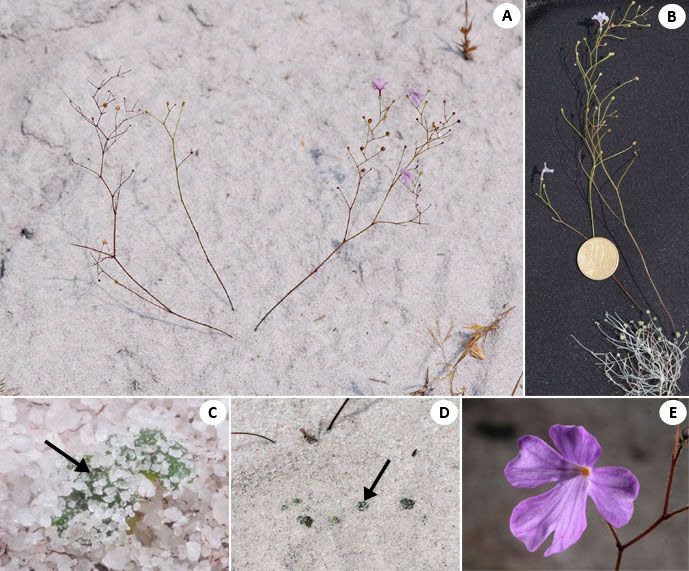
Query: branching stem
pixel 597 109
pixel 120 114
pixel 434 135
pixel 172 135
pixel 665 514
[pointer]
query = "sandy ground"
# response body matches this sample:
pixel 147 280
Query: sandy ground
pixel 275 93
pixel 327 479
pixel 177 529
pixel 631 435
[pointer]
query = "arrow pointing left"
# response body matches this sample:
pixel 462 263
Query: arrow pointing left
pixel 80 466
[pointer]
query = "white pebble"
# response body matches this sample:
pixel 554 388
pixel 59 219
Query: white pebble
pixel 193 551
pixel 116 559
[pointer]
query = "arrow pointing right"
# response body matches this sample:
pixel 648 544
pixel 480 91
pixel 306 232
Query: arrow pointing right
pixel 80 466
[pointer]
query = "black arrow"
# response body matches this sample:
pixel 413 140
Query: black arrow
pixel 81 466
pixel 368 492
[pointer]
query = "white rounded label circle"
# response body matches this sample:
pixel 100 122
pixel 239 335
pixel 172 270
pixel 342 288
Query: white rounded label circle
pixel 444 412
pixel 672 16
pixel 507 15
pixel 673 412
pixel 213 412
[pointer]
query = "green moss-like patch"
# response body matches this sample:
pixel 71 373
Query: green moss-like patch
pixel 407 503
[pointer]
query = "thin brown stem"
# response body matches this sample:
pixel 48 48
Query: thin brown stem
pixel 516 386
pixel 254 434
pixel 665 514
pixel 172 135
pixel 339 410
pixel 303 280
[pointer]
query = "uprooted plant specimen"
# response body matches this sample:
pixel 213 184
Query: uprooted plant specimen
pixel 405 176
pixel 111 118
pixel 605 171
pixel 472 346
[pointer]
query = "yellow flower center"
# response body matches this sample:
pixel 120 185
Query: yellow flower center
pixel 585 471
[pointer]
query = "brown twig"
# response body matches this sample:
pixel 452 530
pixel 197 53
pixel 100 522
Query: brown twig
pixel 5 390
pixel 424 389
pixel 434 135
pixel 120 115
pixel 254 434
pixel 339 410
pixel 472 347
pixel 516 386
pixel 465 46
pixel 665 514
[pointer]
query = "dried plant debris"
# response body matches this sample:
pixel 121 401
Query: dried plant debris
pixel 465 46
pixel 308 436
pixel 643 360
pixel 471 346
pixel 5 390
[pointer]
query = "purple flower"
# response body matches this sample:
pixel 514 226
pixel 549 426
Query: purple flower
pixel 415 96
pixel 545 171
pixel 601 18
pixel 406 176
pixel 379 85
pixel 563 508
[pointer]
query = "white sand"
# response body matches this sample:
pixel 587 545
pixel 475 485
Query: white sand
pixel 275 94
pixel 328 477
pixel 180 529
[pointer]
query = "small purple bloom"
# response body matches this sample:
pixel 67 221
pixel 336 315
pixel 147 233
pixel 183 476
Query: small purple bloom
pixel 415 96
pixel 545 171
pixel 601 18
pixel 379 85
pixel 406 176
pixel 562 509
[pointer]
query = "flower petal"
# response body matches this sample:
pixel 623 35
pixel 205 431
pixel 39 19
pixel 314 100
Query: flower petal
pixel 576 444
pixel 538 464
pixel 614 490
pixel 561 510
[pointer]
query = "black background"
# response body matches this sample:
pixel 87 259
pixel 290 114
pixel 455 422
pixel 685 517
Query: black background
pixel 559 300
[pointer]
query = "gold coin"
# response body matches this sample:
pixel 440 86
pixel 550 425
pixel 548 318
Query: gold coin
pixel 598 258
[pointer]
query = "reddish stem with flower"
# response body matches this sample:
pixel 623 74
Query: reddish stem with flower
pixel 434 134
